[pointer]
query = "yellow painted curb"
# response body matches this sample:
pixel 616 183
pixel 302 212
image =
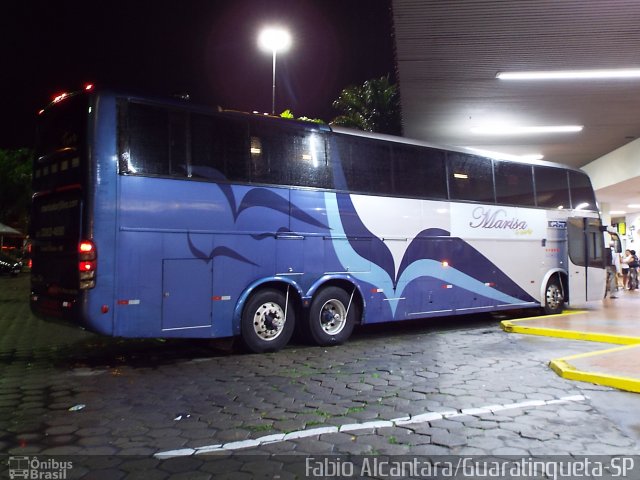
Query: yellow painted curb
pixel 513 326
pixel 563 367
pixel 555 315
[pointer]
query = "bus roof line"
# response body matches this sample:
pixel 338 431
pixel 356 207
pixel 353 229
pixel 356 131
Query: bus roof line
pixel 421 143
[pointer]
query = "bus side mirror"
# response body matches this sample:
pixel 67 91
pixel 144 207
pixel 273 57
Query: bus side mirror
pixel 614 242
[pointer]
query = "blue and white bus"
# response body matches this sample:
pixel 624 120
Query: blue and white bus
pixel 162 219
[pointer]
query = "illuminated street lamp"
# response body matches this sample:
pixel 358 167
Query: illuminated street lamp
pixel 274 40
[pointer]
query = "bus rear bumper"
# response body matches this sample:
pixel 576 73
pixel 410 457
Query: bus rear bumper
pixel 68 312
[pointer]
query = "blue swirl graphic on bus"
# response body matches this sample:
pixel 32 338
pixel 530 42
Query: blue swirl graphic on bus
pixel 261 197
pixel 217 252
pixel 342 215
pixel 378 253
pixel 256 197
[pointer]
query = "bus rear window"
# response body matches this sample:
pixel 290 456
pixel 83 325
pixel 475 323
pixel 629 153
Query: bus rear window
pixel 60 137
pixel 61 126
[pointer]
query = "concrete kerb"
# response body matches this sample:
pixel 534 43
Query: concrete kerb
pixel 566 369
pixel 563 366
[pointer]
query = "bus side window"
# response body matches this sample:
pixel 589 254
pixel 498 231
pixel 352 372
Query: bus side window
pixel 177 144
pixel 218 149
pixel 288 156
pixel 552 188
pixel 309 164
pixel 148 141
pixel 259 161
pixel 368 168
pixel 157 141
pixel 262 151
pixel 514 184
pixel 419 172
pixel 470 178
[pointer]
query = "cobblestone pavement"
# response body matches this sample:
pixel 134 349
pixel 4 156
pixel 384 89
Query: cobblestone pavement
pixel 452 387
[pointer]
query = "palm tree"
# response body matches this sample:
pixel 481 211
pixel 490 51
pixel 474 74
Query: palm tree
pixel 373 107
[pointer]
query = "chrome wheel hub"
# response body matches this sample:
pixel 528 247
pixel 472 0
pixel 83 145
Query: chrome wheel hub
pixel 268 321
pixel 333 317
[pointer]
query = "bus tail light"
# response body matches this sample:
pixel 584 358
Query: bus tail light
pixel 87 264
pixel 87 267
pixel 28 252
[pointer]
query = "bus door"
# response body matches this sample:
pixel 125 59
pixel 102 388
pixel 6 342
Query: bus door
pixel 586 259
pixel 186 295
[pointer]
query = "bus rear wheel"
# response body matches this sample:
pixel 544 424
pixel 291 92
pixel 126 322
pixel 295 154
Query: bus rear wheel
pixel 267 321
pixel 332 316
pixel 553 298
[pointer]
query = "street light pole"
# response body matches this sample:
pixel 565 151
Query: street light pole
pixel 274 40
pixel 273 85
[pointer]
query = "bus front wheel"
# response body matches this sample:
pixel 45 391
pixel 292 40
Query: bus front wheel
pixel 553 298
pixel 332 316
pixel 267 321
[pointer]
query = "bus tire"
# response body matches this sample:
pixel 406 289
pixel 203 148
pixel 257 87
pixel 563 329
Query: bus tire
pixel 332 316
pixel 263 326
pixel 553 297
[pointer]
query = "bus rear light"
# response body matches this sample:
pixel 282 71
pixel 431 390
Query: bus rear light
pixel 87 247
pixel 86 267
pixel 88 86
pixel 87 250
pixel 60 97
pixel 87 264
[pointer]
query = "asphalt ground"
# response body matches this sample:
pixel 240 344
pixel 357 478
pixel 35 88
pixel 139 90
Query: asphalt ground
pixel 127 408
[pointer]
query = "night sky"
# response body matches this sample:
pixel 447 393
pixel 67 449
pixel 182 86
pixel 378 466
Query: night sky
pixel 207 49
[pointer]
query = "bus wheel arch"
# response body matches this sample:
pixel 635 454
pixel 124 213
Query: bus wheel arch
pixel 554 294
pixel 335 310
pixel 268 317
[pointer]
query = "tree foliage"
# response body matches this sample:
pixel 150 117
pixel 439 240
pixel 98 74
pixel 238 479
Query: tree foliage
pixel 373 107
pixel 15 187
pixel 289 114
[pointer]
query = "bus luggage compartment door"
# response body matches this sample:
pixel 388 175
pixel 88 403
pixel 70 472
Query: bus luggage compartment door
pixel 586 260
pixel 186 296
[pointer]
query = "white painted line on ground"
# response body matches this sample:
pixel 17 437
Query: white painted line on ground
pixel 394 422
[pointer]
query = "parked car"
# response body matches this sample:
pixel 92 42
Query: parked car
pixel 10 265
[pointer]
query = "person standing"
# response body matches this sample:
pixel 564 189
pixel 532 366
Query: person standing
pixel 612 273
pixel 624 263
pixel 633 271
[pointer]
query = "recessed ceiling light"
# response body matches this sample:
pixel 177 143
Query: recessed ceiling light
pixel 633 205
pixel 617 212
pixel 571 74
pixel 513 130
